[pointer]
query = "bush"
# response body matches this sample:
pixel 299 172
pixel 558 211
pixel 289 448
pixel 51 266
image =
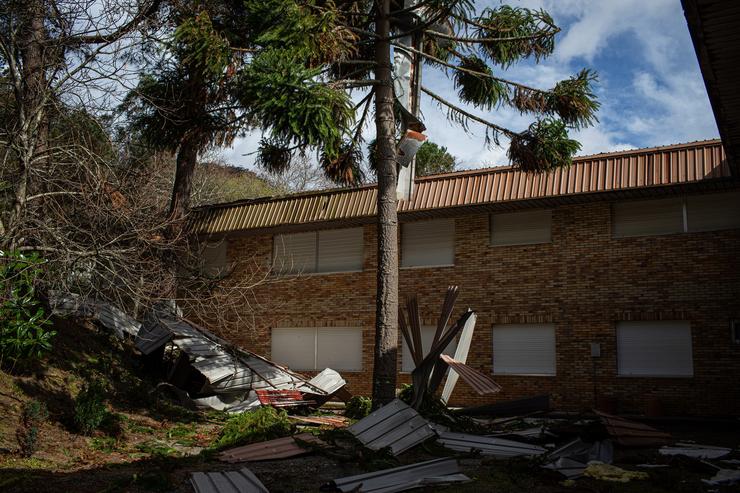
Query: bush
pixel 24 336
pixel 358 407
pixel 262 424
pixel 33 415
pixel 90 409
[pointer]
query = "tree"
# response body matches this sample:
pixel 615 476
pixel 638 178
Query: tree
pixel 432 159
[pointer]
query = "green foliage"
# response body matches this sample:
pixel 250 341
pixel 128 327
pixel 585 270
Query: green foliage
pixel 544 146
pixel 24 335
pixel 33 415
pixel 283 95
pixel 259 425
pixel 574 101
pixel 346 168
pixel 431 159
pixel 516 33
pixel 358 407
pixel 201 46
pixel 103 444
pixel 479 90
pixel 90 410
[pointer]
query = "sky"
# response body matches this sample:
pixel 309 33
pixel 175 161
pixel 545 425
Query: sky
pixel 650 87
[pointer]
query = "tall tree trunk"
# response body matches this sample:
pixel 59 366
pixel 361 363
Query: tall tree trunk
pixel 386 313
pixel 187 158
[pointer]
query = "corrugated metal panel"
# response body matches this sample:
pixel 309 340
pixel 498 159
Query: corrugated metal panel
pixel 395 425
pixel 429 473
pixel 242 481
pixel 280 448
pixel 632 434
pixel 614 172
pixel 496 447
pixel 328 380
pixel 108 315
pixel 481 383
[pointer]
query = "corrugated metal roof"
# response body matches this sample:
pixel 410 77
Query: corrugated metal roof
pixel 242 481
pixel 395 425
pixel 429 473
pixel 280 448
pixel 659 167
pixel 497 447
pixel 105 313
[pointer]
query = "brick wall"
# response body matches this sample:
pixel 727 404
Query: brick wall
pixel 584 282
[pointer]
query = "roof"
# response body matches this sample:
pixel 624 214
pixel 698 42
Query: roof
pixel 713 27
pixel 644 171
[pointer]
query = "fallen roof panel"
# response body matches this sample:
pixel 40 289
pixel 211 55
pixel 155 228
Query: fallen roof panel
pixel 632 434
pixel 395 425
pixel 280 448
pixel 481 383
pixel 437 471
pixel 241 481
pixel 497 447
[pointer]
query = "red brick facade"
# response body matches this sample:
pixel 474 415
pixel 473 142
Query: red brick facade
pixel 584 282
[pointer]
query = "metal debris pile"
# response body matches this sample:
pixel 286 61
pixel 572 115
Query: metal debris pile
pixel 207 372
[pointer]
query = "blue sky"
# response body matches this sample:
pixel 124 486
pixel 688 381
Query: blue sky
pixel 650 87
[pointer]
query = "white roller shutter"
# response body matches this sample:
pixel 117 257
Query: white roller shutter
pixel 294 348
pixel 295 253
pixel 524 349
pixel 427 336
pixel 521 228
pixel 339 348
pixel 647 217
pixel 340 250
pixel 428 243
pixel 661 349
pixel 214 258
pixel 713 212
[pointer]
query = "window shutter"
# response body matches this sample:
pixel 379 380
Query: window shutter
pixel 295 253
pixel 647 217
pixel 521 228
pixel 428 243
pixel 294 348
pixel 214 258
pixel 654 349
pixel 524 349
pixel 339 348
pixel 427 336
pixel 340 250
pixel 713 212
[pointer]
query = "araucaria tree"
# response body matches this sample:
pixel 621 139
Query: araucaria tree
pixel 287 67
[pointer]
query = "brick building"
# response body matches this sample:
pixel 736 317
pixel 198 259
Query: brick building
pixel 616 277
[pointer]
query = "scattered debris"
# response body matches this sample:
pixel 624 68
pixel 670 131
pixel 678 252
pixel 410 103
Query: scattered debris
pixel 333 421
pixel 695 451
pixel 395 425
pixel 282 398
pixel 584 452
pixel 429 473
pixel 724 477
pixel 632 434
pixel 242 481
pixel 569 468
pixel 496 447
pixel 461 355
pixel 106 314
pixel 279 448
pixel 608 472
pixel 481 383
pixel 518 407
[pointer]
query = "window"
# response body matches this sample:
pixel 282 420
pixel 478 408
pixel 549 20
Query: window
pixel 213 258
pixel 524 349
pixel 713 212
pixel 428 243
pixel 332 250
pixel 314 348
pixel 658 349
pixel 521 228
pixel 427 336
pixel 647 217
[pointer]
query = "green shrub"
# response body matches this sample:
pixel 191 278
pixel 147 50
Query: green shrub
pixel 262 424
pixel 90 409
pixel 358 407
pixel 33 415
pixel 24 335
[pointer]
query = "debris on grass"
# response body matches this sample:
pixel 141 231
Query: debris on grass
pixel 262 424
pixel 694 450
pixel 279 448
pixel 358 407
pixel 608 472
pixel 242 481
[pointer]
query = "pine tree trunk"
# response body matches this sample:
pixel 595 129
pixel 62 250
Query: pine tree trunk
pixel 386 313
pixel 187 158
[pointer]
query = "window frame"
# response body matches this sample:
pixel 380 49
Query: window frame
pixel 315 331
pixel 554 372
pixel 619 350
pixel 402 248
pixel 530 211
pixel 317 253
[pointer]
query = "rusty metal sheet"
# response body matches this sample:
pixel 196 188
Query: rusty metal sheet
pixel 632 434
pixel 282 398
pixel 430 473
pixel 496 447
pixel 683 164
pixel 395 425
pixel 280 448
pixel 241 481
pixel 479 382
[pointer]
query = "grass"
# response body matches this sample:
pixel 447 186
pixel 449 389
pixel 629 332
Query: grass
pixel 157 449
pixel 265 423
pixel 104 444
